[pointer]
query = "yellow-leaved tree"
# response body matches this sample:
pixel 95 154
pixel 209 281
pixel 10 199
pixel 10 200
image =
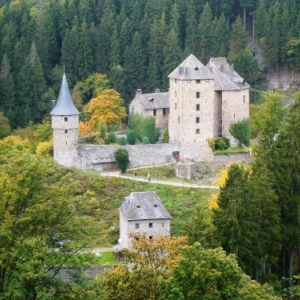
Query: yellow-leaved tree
pixel 108 106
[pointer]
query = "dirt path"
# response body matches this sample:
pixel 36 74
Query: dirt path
pixel 157 181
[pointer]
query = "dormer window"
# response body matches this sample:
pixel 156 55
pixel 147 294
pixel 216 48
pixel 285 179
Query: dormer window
pixel 196 69
pixel 66 119
pixel 198 80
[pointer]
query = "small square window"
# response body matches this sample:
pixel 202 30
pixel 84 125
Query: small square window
pixel 197 106
pixel 150 225
pixel 197 120
pixel 175 105
pixel 197 94
pixel 137 225
pixel 66 131
pixel 244 99
pixel 175 93
pixel 163 224
pixel 154 112
pixel 197 131
pixel 198 81
pixel 178 119
pixel 150 237
pixel 66 119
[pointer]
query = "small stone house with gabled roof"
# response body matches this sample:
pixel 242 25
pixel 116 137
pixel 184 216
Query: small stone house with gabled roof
pixel 152 105
pixel 143 212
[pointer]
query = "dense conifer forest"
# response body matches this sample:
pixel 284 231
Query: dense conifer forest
pixel 136 43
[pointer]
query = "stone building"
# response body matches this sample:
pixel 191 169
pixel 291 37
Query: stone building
pixel 144 213
pixel 152 105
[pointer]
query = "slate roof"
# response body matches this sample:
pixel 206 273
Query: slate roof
pixel 64 105
pixel 143 206
pixel 154 100
pixel 226 78
pixel 191 68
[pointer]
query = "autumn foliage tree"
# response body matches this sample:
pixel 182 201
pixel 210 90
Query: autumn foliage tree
pixel 109 106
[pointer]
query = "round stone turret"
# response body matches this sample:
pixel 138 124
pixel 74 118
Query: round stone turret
pixel 65 120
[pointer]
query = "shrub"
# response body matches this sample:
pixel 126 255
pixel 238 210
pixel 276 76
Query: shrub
pixel 112 138
pixel 122 159
pixel 222 143
pixel 131 137
pixel 241 131
pixel 166 136
pixel 144 126
pixel 145 140
pixel 122 141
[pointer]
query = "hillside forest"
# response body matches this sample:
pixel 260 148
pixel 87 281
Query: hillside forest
pixel 135 43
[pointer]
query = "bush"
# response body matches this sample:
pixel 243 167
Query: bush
pixel 166 136
pixel 112 138
pixel 122 141
pixel 144 126
pixel 122 159
pixel 241 131
pixel 222 143
pixel 212 144
pixel 145 140
pixel 131 137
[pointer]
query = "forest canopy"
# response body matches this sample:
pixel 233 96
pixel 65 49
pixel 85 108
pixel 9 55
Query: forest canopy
pixel 136 43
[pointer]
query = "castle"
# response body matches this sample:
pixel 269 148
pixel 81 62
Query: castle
pixel 202 103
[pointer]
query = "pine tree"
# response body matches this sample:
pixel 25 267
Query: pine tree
pixel 172 55
pixel 205 34
pixel 85 60
pixel 238 37
pixel 220 37
pixel 7 92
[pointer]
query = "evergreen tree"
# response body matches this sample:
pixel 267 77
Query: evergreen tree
pixel 31 86
pixel 205 34
pixel 220 37
pixel 172 55
pixel 85 60
pixel 191 28
pixel 7 92
pixel 238 37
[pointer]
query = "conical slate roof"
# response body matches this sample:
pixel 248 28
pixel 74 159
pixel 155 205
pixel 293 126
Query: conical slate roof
pixel 64 105
pixel 191 68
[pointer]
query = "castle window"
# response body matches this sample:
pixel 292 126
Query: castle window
pixel 175 80
pixel 150 237
pixel 162 224
pixel 66 118
pixel 178 119
pixel 244 99
pixel 66 131
pixel 137 225
pixel 175 93
pixel 198 80
pixel 197 94
pixel 132 110
pixel 197 120
pixel 150 225
pixel 197 131
pixel 154 112
pixel 197 106
pixel 175 105
pixel 164 111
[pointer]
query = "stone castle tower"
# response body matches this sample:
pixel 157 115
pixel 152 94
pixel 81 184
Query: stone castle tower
pixel 192 107
pixel 65 120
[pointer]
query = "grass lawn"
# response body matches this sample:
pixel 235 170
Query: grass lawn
pixel 106 258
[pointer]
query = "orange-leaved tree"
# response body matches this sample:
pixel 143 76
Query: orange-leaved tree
pixel 108 106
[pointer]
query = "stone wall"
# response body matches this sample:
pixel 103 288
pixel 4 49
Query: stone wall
pixel 96 156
